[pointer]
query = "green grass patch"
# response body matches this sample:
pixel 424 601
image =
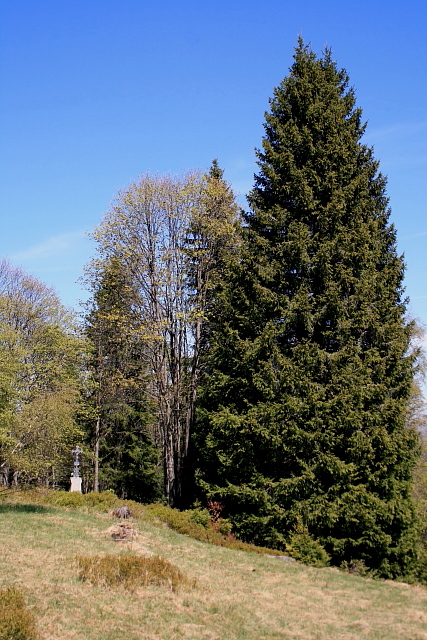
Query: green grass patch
pixel 24 508
pixel 16 621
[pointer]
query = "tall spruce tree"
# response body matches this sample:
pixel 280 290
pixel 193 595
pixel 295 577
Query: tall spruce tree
pixel 302 414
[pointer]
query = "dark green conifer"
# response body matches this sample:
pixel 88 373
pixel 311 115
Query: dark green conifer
pixel 302 418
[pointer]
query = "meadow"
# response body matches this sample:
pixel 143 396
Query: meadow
pixel 218 593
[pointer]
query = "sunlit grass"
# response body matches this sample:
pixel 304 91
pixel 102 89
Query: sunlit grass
pixel 232 594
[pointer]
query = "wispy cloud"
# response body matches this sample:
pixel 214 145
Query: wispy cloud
pixel 397 130
pixel 415 235
pixel 51 247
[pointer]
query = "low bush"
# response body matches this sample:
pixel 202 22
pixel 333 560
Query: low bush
pixel 355 567
pixel 189 523
pixel 129 571
pixel 16 621
pixel 421 570
pixel 200 516
pixel 303 547
pixel 104 500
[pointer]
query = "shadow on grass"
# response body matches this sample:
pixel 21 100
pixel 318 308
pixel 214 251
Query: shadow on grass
pixel 24 508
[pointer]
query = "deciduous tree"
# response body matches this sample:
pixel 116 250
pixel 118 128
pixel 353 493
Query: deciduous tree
pixel 168 235
pixel 42 357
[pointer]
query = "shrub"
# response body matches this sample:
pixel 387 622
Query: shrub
pixel 224 526
pixel 218 533
pixel 105 499
pixel 16 622
pixel 129 571
pixel 421 571
pixel 356 567
pixel 303 547
pixel 200 516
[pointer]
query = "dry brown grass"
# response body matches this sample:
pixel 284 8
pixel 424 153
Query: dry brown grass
pixel 238 595
pixel 129 571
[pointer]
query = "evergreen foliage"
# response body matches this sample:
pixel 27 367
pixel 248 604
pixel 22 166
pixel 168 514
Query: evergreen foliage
pixel 119 421
pixel 302 413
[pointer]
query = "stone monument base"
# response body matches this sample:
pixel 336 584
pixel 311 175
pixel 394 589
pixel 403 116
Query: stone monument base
pixel 76 484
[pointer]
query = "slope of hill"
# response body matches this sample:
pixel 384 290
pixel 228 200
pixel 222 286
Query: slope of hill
pixel 230 595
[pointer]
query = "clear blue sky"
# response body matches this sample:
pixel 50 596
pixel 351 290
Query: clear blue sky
pixel 94 93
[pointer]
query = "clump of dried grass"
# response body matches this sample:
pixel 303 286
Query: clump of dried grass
pixel 129 571
pixel 122 532
pixel 16 621
pixel 122 512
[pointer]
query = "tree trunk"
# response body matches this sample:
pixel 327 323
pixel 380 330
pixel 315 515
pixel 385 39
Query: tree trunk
pixel 96 454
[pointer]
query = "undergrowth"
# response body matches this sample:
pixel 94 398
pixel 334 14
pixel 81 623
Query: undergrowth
pixel 195 524
pixel 129 571
pixel 103 501
pixel 303 547
pixel 16 621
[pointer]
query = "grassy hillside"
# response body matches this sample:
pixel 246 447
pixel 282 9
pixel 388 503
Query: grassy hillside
pixel 228 594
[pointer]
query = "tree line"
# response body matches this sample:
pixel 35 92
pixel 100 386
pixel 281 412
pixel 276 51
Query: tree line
pixel 260 360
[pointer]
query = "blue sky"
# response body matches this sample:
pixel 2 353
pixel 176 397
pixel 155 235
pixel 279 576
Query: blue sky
pixel 94 93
